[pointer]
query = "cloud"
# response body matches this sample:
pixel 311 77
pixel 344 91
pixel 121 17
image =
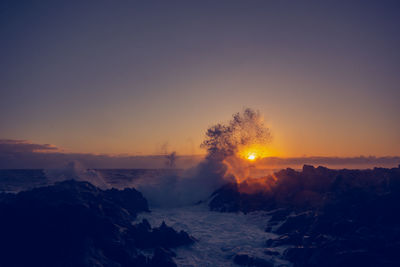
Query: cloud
pixel 24 146
pixel 23 154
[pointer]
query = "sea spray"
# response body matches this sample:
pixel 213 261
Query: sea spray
pixel 222 164
pixel 75 170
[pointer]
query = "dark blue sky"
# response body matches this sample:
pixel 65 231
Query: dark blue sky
pixel 130 76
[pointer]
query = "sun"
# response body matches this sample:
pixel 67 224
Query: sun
pixel 251 156
pixel 253 152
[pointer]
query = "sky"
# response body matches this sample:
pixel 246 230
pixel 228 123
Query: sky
pixel 145 77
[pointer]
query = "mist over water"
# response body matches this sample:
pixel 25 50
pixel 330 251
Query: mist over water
pixel 76 171
pixel 175 190
pixel 222 164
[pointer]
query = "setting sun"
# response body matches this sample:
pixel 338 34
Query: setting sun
pixel 254 152
pixel 252 156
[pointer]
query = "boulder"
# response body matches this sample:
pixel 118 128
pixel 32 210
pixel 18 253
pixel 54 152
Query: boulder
pixel 246 260
pixel 76 224
pixel 328 217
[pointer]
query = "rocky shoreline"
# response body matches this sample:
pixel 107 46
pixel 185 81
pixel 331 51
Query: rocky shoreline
pixel 318 217
pixel 74 223
pixel 326 217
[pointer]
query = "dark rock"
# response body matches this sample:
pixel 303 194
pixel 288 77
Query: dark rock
pixel 269 242
pixel 128 199
pixel 229 199
pixel 298 255
pixel 271 252
pixel 163 257
pixel 76 224
pixel 242 259
pixel 146 224
pixel 163 236
pixel 308 170
pixel 300 222
pixel 314 257
pixel 279 215
pixel 338 217
pixel 246 260
pixel 294 238
pixel 226 199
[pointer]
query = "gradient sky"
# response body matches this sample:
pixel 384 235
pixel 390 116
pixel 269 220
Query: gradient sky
pixel 130 77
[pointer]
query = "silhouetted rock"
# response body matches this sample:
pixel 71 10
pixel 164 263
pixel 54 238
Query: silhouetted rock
pixel 246 260
pixel 229 199
pixel 163 236
pixel 300 222
pixel 76 224
pixel 162 257
pixel 328 217
pixel 279 215
pixel 294 238
pixel 313 257
pixel 226 199
pixel 271 252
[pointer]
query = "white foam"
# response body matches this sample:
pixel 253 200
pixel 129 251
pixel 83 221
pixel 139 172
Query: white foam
pixel 220 235
pixel 76 171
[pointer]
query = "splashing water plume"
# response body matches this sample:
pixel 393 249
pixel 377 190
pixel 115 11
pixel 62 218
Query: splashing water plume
pixel 232 150
pixel 76 171
pixel 242 139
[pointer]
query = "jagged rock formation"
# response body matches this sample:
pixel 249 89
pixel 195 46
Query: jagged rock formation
pixel 246 260
pixel 327 217
pixel 76 224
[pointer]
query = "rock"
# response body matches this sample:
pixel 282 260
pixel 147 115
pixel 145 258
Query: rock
pixel 226 199
pixel 300 223
pixel 279 215
pixel 338 217
pixel 308 169
pixel 163 236
pixel 300 256
pixel 76 224
pixel 242 259
pixel 269 242
pixel 163 257
pixel 246 260
pixel 314 257
pixel 229 199
pixel 128 199
pixel 293 238
pixel 271 252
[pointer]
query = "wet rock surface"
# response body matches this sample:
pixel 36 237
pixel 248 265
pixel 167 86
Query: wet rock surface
pixel 327 217
pixel 246 260
pixel 76 224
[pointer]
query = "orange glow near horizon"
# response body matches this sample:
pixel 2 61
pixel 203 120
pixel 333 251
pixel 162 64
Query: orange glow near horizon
pixel 254 152
pixel 252 156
